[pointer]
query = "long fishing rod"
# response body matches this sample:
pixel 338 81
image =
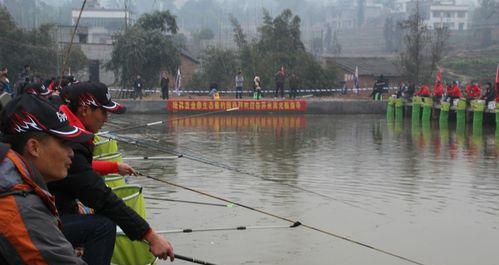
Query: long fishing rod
pixel 66 58
pixel 238 228
pixel 295 223
pixel 152 157
pixel 193 260
pixel 145 144
pixel 191 202
pixel 166 121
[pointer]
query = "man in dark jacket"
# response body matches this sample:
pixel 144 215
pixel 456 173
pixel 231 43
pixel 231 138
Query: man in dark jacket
pixel 280 78
pixel 490 94
pixel 39 136
pixel 294 83
pixel 87 108
pixel 379 88
pixel 165 84
pixel 138 86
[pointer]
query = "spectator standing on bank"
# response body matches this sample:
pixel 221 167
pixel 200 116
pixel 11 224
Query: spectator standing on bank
pixel 280 77
pixel 26 75
pixel 239 79
pixel 411 89
pixel 294 84
pixel 165 83
pixel 5 85
pixel 137 86
pixel 257 85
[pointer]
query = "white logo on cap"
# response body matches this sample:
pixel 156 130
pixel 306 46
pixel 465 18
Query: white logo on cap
pixel 24 125
pixel 108 95
pixel 62 116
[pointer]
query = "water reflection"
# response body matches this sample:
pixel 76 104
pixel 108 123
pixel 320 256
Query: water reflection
pixel 436 177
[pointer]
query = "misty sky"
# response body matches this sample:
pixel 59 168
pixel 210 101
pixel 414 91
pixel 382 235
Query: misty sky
pixel 179 3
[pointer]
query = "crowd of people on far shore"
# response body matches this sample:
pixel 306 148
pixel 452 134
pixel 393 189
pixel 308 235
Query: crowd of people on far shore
pixel 257 86
pixel 441 91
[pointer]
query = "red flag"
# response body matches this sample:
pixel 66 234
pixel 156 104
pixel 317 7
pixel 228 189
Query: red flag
pixel 439 76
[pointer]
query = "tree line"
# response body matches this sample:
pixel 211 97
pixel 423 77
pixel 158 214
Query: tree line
pixel 278 46
pixel 36 47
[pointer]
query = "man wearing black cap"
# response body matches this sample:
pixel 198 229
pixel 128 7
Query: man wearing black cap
pixel 37 89
pixel 39 153
pixel 87 108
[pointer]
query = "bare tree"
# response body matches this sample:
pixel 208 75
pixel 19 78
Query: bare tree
pixel 438 45
pixel 414 55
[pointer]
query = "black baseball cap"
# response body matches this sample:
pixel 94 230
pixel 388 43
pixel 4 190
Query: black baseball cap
pixel 37 89
pixel 30 113
pixel 92 94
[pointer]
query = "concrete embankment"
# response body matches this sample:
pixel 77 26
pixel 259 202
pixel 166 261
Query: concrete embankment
pixel 314 106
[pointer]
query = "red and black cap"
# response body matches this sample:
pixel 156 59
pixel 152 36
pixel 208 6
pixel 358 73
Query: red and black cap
pixel 37 89
pixel 92 94
pixel 29 113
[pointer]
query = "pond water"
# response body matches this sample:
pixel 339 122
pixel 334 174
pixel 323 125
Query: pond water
pixel 420 192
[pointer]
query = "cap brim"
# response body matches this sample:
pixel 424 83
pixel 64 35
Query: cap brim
pixel 72 134
pixel 114 107
pixel 46 93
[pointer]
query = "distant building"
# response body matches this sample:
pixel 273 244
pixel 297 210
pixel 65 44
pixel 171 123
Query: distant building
pixel 443 13
pixel 370 68
pixel 101 23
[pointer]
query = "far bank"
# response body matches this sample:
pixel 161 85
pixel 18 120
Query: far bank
pixel 304 106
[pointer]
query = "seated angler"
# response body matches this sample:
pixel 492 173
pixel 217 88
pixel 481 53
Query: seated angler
pixel 438 91
pixel 87 107
pixel 489 93
pixel 453 91
pixel 473 91
pixel 40 153
pixel 423 91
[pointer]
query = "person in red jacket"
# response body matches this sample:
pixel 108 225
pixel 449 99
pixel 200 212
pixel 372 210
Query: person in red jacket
pixel 453 91
pixel 101 167
pixel 438 91
pixel 473 91
pixel 423 91
pixel 89 103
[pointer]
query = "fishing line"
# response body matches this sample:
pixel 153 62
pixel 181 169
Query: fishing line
pixel 165 121
pixel 293 222
pixel 191 202
pixel 147 145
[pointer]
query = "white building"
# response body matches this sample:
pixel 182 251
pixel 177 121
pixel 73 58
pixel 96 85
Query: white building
pixel 449 14
pixel 101 23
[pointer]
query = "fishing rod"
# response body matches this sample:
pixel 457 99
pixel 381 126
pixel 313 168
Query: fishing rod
pixel 238 228
pixel 295 223
pixel 193 260
pixel 165 121
pixel 153 157
pixel 230 205
pixel 66 58
pixel 147 145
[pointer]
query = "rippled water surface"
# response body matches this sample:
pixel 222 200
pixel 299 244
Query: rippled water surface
pixel 424 193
